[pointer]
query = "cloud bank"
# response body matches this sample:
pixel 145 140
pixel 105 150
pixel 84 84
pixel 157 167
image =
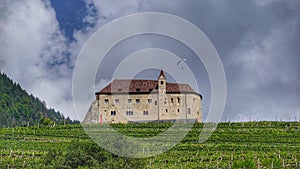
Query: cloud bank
pixel 34 52
pixel 257 41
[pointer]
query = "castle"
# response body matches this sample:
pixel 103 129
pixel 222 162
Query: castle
pixel 138 101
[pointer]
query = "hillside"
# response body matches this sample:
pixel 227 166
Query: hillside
pixel 18 108
pixel 232 145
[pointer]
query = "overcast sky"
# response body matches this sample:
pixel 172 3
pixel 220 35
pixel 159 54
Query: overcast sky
pixel 257 41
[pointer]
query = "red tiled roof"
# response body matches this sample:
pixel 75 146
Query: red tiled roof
pixel 181 88
pixel 129 86
pixel 143 86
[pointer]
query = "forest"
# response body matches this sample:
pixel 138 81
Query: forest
pixel 18 108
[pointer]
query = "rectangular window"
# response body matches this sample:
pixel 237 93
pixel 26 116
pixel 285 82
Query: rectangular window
pixel 113 113
pixel 155 102
pixel 106 101
pixel 172 100
pixel 161 82
pixel 145 113
pixel 189 111
pixel 178 110
pixel 178 100
pixel 117 101
pixel 137 101
pixel 129 113
pixel 149 101
pixel 129 100
pixel 138 90
pixel 166 110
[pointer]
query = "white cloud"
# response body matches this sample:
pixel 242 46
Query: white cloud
pixel 33 51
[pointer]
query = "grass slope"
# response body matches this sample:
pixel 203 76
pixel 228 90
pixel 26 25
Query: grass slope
pixel 232 145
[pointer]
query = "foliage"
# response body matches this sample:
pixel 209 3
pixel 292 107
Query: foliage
pixel 232 145
pixel 18 108
pixel 87 154
pixel 45 121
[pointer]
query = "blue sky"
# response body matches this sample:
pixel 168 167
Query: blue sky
pixel 70 16
pixel 257 42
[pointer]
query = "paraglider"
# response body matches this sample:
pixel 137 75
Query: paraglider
pixel 181 60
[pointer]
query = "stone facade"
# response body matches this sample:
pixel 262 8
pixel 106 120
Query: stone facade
pixel 124 101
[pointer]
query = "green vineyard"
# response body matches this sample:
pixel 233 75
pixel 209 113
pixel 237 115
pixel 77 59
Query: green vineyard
pixel 232 145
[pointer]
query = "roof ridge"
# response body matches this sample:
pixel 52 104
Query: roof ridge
pixel 144 86
pixel 135 79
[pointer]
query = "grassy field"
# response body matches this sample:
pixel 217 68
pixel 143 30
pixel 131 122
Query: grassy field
pixel 232 145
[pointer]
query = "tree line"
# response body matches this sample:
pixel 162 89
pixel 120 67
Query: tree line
pixel 18 108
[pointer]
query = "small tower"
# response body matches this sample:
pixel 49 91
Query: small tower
pixel 162 82
pixel 162 86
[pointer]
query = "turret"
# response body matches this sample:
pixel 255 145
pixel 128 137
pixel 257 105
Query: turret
pixel 162 85
pixel 162 82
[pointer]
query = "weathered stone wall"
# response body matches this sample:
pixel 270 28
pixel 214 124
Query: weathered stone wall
pixel 139 107
pixel 170 108
pixel 194 102
pixel 138 104
pixel 92 116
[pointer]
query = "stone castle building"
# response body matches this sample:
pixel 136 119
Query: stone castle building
pixel 131 101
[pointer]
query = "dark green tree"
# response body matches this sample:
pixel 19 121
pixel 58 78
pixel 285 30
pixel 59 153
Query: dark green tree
pixel 18 108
